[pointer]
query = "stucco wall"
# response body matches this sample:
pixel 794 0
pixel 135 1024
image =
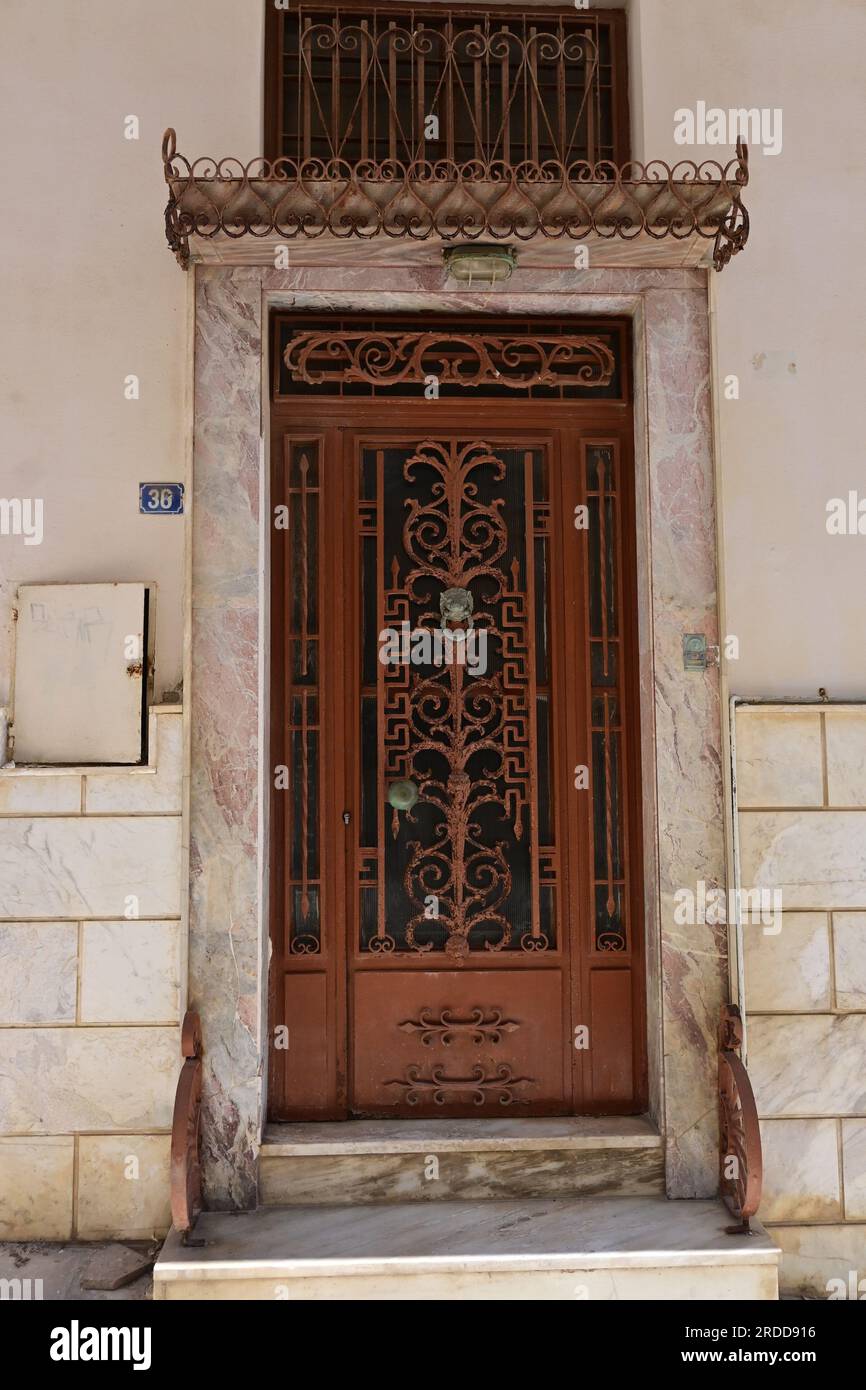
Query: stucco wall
pixel 94 295
pixel 790 320
pixel 91 294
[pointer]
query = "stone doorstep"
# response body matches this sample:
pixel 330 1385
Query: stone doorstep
pixel 653 1246
pixel 340 1138
pixel 363 1161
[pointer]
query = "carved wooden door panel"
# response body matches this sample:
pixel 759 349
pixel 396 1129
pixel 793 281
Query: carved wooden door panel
pixel 456 913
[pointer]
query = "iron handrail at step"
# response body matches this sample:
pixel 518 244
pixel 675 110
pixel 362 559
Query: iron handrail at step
pixel 741 1164
pixel 186 1130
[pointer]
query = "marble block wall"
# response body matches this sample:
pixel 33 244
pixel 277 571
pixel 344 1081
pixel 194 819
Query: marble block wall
pixel 801 795
pixel 91 989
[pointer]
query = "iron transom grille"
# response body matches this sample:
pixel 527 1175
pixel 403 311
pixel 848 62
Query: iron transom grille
pixel 553 359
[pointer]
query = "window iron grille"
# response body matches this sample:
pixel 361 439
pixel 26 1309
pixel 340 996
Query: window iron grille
pixel 478 86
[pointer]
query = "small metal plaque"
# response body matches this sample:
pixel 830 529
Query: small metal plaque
pixel 160 499
pixel 694 651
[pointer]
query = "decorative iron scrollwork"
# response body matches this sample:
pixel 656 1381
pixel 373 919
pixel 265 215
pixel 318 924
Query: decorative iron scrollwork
pixel 382 358
pixel 463 740
pixel 293 199
pixel 383 945
pixel 741 1165
pixel 409 72
pixel 303 699
pixel 305 946
pixel 185 1130
pixel 611 905
pixel 733 230
pixel 479 1026
pixel 477 1087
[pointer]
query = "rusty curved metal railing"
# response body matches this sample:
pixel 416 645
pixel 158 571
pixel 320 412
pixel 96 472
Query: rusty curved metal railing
pixel 741 1167
pixel 292 199
pixel 185 1130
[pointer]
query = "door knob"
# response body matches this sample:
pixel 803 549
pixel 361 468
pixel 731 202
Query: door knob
pixel 402 795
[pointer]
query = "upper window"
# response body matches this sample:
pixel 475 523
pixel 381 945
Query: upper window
pixel 471 85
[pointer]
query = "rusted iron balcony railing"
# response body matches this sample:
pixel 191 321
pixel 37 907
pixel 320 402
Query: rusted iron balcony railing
pixel 302 199
pixel 458 124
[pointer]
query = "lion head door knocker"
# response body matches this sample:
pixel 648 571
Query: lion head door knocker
pixel 462 644
pixel 455 607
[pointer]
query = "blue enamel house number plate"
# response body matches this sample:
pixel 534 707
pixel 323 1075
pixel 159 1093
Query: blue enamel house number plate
pixel 160 499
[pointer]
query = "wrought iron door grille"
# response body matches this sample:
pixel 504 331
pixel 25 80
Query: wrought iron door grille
pixel 455 516
pixel 546 359
pixel 372 85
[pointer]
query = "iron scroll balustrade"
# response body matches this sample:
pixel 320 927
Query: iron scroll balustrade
pixel 185 1130
pixel 741 1167
pixel 292 199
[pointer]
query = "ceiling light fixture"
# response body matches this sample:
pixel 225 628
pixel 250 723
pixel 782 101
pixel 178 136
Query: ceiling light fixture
pixel 482 262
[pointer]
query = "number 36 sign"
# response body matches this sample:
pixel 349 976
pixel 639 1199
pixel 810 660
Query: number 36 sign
pixel 160 499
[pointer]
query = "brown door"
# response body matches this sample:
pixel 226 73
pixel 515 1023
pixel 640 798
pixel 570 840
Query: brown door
pixel 455 821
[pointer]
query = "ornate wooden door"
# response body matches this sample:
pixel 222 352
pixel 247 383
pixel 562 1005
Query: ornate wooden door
pixel 455 822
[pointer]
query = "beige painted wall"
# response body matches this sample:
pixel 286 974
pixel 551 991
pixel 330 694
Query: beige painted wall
pixel 793 594
pixel 91 292
pixel 94 295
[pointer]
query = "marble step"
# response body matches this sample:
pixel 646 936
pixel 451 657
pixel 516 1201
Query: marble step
pixel 542 1248
pixel 435 1160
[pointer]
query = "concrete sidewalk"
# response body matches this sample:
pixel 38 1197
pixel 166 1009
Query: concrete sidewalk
pixel 62 1265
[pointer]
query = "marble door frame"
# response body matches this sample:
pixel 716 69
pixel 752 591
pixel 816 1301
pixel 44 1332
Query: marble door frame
pixel 229 617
